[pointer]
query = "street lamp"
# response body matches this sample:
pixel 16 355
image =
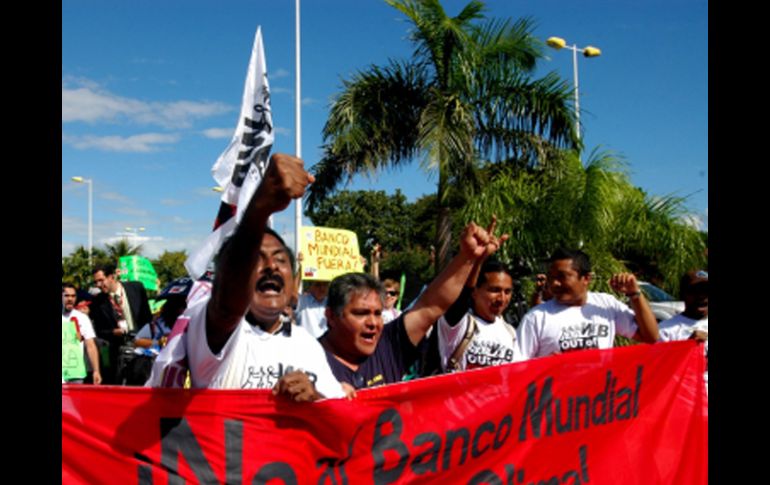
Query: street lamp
pixel 588 51
pixel 90 183
pixel 134 231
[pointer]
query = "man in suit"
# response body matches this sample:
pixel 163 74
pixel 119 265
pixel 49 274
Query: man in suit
pixel 121 308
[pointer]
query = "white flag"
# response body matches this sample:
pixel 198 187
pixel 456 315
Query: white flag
pixel 239 169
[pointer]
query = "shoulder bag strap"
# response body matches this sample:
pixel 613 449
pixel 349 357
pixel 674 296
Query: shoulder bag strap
pixel 454 360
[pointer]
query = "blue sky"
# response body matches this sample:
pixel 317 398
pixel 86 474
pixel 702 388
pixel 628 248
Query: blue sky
pixel 151 93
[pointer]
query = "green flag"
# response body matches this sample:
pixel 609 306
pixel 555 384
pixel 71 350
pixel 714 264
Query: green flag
pixel 401 291
pixel 138 268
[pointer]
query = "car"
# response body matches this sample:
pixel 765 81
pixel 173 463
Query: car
pixel 663 305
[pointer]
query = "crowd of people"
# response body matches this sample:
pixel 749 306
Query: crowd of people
pixel 248 328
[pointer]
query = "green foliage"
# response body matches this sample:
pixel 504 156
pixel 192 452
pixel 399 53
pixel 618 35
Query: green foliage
pixel 465 95
pixel 372 215
pixel 169 266
pixel 402 230
pixel 122 248
pixel 592 206
pixel 75 267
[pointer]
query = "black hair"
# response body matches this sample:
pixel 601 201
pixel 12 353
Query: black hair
pixel 491 266
pixel 580 260
pixel 108 269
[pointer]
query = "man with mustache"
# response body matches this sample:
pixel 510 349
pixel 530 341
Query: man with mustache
pixel 365 353
pixel 237 337
pixel 578 319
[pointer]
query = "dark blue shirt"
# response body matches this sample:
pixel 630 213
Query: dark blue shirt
pixel 391 360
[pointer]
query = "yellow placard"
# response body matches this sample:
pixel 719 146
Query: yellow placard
pixel 328 253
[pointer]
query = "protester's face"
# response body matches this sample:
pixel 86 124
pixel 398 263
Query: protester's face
pixel 567 286
pixel 273 281
pixel 319 289
pixel 391 297
pixel 68 297
pixel 357 331
pixel 492 298
pixel 105 283
pixel 696 300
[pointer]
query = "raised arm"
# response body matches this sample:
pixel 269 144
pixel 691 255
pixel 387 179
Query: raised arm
pixel 235 279
pixel 376 253
pixel 648 326
pixel 460 306
pixel 445 289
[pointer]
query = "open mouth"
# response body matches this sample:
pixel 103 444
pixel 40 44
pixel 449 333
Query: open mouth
pixel 270 285
pixel 369 337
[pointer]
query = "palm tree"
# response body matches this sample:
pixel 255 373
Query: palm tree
pixel 465 95
pixel 122 248
pixel 593 206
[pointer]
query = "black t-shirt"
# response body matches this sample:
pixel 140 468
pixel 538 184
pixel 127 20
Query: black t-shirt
pixel 391 360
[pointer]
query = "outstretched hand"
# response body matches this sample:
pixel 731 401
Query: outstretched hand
pixel 296 386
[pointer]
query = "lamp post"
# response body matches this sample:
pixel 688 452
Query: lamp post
pixel 134 231
pixel 90 183
pixel 588 51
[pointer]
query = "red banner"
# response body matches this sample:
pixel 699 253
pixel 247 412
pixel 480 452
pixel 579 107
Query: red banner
pixel 631 415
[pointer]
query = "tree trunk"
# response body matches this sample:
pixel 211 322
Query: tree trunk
pixel 443 227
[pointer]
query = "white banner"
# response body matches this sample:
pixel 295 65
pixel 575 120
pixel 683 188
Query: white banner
pixel 239 169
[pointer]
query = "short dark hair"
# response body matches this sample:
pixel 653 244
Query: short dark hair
pixel 108 269
pixel 691 280
pixel 68 285
pixel 343 287
pixel 580 260
pixel 491 266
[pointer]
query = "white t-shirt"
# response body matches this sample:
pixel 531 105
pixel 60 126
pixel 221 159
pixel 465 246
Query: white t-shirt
pixel 311 314
pixel 390 315
pixel 552 327
pixel 83 322
pixel 680 327
pixel 492 343
pixel 253 358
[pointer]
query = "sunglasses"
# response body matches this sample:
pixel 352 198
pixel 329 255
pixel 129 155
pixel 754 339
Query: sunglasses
pixel 391 293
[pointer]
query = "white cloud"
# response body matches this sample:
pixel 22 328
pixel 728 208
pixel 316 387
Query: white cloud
pixel 280 90
pixel 144 143
pixel 171 202
pixel 282 131
pixel 114 196
pixel 88 102
pixel 215 133
pixel 309 101
pixel 278 74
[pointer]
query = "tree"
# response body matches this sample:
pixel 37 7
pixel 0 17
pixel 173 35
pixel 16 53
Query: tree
pixel 465 95
pixel 75 268
pixel 389 220
pixel 592 206
pixel 122 248
pixel 374 216
pixel 170 266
